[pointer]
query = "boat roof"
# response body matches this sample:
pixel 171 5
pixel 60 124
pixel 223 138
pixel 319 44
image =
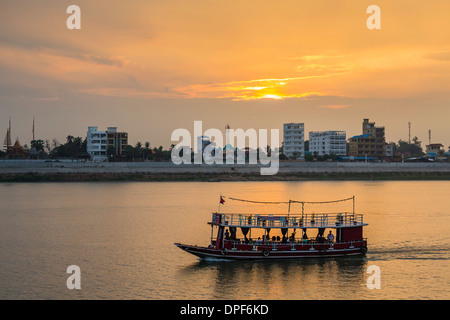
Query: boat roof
pixel 269 221
pixel 287 220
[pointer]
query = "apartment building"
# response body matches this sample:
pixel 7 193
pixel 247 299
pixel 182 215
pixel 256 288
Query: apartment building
pixel 293 140
pixel 96 144
pixel 328 143
pixel 370 143
pixel 379 134
pixel 117 140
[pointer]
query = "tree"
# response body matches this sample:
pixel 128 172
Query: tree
pixel 38 145
pixel 138 151
pixel 268 151
pixel 414 149
pixel 69 139
pixel 158 152
pixel 295 155
pixel 73 148
pixel 146 150
pixel 129 152
pixel 307 145
pixel 111 153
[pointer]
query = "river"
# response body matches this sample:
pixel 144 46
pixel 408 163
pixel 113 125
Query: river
pixel 122 235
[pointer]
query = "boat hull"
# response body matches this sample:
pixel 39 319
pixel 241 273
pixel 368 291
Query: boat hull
pixel 318 252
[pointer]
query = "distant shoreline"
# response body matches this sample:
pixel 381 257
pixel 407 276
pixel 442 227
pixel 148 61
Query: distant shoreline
pixel 42 171
pixel 217 177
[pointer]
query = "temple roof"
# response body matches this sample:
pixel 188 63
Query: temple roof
pixel 17 144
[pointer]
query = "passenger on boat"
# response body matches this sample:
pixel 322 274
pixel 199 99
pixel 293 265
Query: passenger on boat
pixel 292 237
pixel 259 240
pixel 320 238
pixel 305 236
pixel 330 237
pixel 227 235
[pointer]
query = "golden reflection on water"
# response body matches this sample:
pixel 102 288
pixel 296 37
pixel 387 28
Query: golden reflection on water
pixel 122 235
pixel 279 279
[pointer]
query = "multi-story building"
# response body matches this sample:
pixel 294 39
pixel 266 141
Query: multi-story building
pixel 96 144
pixel 328 142
pixel 362 146
pixel 389 149
pixel 435 149
pixel 293 140
pixel 371 143
pixel 379 134
pixel 117 140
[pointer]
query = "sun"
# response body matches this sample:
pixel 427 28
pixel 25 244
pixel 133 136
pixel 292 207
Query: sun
pixel 271 96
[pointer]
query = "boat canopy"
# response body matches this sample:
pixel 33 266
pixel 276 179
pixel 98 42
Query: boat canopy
pixel 287 220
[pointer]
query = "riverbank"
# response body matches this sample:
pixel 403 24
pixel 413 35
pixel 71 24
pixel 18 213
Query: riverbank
pixel 208 177
pixel 157 171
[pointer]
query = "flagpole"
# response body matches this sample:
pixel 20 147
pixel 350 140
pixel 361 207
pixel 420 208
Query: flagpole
pixel 219 202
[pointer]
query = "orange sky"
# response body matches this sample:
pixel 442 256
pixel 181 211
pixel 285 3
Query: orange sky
pixel 150 67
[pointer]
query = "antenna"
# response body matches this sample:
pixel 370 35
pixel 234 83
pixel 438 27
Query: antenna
pixel 409 126
pixel 429 136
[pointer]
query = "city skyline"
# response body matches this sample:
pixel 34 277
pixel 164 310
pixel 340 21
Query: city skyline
pixel 150 68
pixel 410 136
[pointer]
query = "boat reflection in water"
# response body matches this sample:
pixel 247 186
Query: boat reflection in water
pixel 280 279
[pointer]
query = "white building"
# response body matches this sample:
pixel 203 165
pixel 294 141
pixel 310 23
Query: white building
pixel 294 140
pixel 96 144
pixel 328 142
pixel 389 150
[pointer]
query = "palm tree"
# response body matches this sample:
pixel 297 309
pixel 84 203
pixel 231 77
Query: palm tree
pixel 138 149
pixel 146 150
pixel 158 152
pixel 69 139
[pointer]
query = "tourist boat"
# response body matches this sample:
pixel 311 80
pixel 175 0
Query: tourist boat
pixel 248 236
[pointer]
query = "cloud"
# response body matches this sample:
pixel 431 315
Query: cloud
pixel 440 56
pixel 93 58
pixel 335 106
pixel 129 93
pixel 117 61
pixel 271 88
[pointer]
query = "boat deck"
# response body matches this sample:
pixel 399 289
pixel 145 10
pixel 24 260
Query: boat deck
pixel 320 220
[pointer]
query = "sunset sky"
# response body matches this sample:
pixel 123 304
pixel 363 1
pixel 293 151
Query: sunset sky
pixel 150 67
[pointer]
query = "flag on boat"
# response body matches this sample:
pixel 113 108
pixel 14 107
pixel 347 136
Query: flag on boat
pixel 222 201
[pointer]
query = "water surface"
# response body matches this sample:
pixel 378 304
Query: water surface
pixel 121 236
